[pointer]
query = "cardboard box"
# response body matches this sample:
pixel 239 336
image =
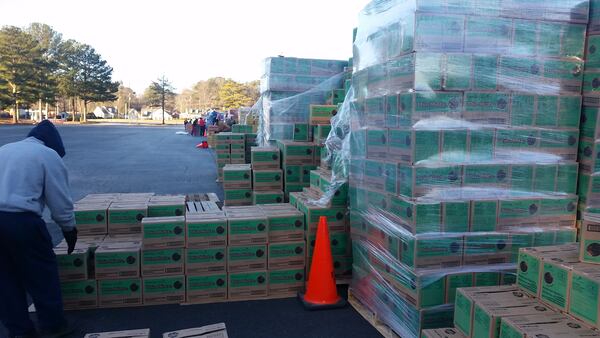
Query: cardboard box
pixel 442 333
pixel 285 225
pixel 248 229
pixel 163 232
pixel 205 261
pixel 206 289
pixel 142 333
pixel 238 148
pixel 298 153
pixel 208 331
pixel 518 212
pixel 590 242
pixel 544 325
pixel 468 298
pixel 265 158
pixel 584 302
pixel 237 176
pixel 162 262
pixel 432 251
pixel 265 180
pixel 206 232
pixel 79 294
pixel 286 282
pixel 417 217
pixel 118 260
pixel 286 255
pixel 126 218
pixel 322 114
pixel 246 258
pixel 340 243
pixel 302 132
pixel 267 197
pixel 73 267
pixel 164 290
pixel 238 197
pixel 247 285
pixel 91 218
pixel 415 181
pixel 120 292
pixel 487 318
pixel 529 265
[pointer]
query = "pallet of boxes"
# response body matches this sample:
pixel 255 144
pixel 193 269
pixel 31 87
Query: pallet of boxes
pixel 462 149
pixel 145 249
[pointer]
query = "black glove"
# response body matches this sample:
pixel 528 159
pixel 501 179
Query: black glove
pixel 71 238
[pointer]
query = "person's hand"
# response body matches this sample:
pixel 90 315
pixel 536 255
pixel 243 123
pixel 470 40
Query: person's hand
pixel 71 239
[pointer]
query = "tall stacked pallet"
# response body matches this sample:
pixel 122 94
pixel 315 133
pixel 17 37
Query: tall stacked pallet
pixel 462 147
pixel 288 87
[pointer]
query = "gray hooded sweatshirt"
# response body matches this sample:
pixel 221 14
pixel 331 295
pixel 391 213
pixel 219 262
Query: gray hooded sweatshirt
pixel 33 175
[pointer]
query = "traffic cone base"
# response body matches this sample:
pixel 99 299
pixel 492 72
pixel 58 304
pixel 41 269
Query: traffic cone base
pixel 341 302
pixel 321 290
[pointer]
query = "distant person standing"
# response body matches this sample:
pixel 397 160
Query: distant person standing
pixel 201 126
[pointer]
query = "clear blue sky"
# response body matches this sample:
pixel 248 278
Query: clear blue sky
pixel 192 40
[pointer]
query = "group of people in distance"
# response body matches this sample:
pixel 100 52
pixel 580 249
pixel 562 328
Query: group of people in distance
pixel 198 126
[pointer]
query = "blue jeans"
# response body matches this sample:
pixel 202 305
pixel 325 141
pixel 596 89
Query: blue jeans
pixel 28 266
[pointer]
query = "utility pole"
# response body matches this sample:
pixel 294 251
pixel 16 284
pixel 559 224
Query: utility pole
pixel 162 85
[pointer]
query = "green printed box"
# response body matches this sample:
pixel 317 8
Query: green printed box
pixel 74 266
pixel 374 174
pixel 554 111
pixel 164 262
pixel 340 243
pixel 299 153
pixel 221 148
pixel 206 289
pixel 494 248
pixel 164 290
pixel 265 158
pixel 117 260
pixel 248 230
pixel 302 132
pixel 375 111
pixel 205 261
pixel 286 283
pixel 411 146
pixel 522 177
pixel 246 258
pixel 487 318
pixel 238 197
pixel 518 212
pixel 486 278
pixel 163 232
pixel 91 218
pixel 590 242
pixel 454 145
pixel 589 155
pixel 377 143
pixel 415 181
pixel 483 215
pixel 247 285
pixel 267 197
pixel 315 179
pixel 529 265
pixel 584 297
pixel 340 196
pixel 165 208
pixel 457 69
pixel 223 138
pixel 486 175
pixel 437 32
pixel 126 218
pixel 321 132
pixel 487 108
pixel 292 173
pixel 544 177
pixel 337 217
pixel 417 217
pixel 78 295
pixel 286 255
pixel 488 34
pixel 264 180
pixel 205 232
pixel 414 107
pixel 286 226
pixel 455 281
pixel 559 211
pixel 562 143
pixel 432 251
pixel 555 281
pixel 236 158
pixel 455 216
pixel 238 148
pixel 120 292
pixel 589 121
pixel 322 114
pixel 306 172
pixel 336 96
pixel 516 139
pixel 236 138
pixel 566 177
pixel 293 187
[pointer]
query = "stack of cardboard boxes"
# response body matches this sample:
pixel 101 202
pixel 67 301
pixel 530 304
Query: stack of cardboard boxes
pixel 176 252
pixel 462 148
pixel 288 87
pixel 267 176
pixel 232 147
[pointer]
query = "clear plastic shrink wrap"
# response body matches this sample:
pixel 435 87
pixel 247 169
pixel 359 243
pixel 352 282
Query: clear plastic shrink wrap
pixel 459 143
pixel 288 87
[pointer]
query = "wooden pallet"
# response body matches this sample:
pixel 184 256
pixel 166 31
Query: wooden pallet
pixel 209 196
pixel 371 316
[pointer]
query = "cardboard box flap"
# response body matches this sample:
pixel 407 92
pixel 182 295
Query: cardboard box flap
pixel 141 333
pixel 158 220
pixel 209 331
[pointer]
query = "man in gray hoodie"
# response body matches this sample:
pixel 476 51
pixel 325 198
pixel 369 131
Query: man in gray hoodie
pixel 32 176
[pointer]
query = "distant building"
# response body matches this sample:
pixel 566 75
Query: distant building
pixel 156 114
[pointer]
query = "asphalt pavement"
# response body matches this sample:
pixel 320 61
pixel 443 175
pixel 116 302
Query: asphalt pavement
pixel 112 159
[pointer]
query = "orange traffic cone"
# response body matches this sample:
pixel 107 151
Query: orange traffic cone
pixel 321 291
